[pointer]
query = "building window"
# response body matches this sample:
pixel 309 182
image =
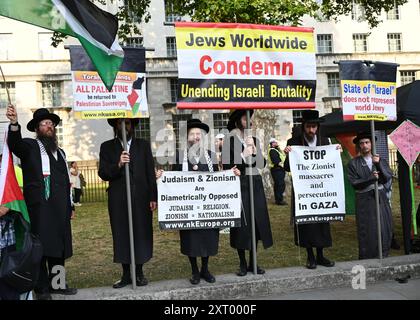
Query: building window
pixel 5 45
pixel 51 94
pixel 170 15
pixel 134 42
pixel 59 133
pixel 142 130
pixel 407 77
pixel 393 14
pixel 325 44
pixel 176 119
pixel 46 50
pixel 297 117
pixel 220 121
pixel 171 46
pixel 333 84
pixel 358 12
pixel 129 6
pixel 360 42
pixel 4 100
pixel 173 86
pixel 394 42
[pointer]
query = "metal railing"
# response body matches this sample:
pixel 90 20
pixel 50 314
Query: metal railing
pixel 95 188
pixel 393 163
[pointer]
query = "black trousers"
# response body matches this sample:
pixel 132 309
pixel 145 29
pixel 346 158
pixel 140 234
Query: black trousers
pixel 77 195
pixel 7 292
pixel 45 273
pixel 279 184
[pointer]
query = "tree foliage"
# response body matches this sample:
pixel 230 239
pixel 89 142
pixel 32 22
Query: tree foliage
pixel 272 12
pixel 277 12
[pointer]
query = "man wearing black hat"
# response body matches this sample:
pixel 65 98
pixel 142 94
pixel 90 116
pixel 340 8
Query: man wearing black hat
pixel 239 149
pixel 312 235
pixel 363 171
pixel 46 188
pixel 198 242
pixel 112 159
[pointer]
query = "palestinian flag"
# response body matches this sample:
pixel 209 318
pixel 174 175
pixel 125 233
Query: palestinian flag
pixel 96 29
pixel 10 194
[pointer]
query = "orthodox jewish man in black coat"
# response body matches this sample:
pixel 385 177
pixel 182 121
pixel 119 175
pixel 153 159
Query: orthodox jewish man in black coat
pixel 46 188
pixel 363 171
pixel 198 242
pixel 311 235
pixel 238 148
pixel 112 159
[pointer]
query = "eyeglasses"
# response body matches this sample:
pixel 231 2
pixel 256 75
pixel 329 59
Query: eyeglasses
pixel 46 123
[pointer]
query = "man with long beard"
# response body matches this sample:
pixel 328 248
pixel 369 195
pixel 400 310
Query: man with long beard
pixel 46 188
pixel 310 235
pixel 364 171
pixel 112 159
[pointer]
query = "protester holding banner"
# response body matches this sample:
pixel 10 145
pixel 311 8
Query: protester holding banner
pixel 46 188
pixel 363 171
pixel 311 235
pixel 237 149
pixel 198 242
pixel 276 161
pixel 112 159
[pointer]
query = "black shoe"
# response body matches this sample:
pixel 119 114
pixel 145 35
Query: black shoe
pixel 259 270
pixel 121 283
pixel 207 276
pixel 141 281
pixel 43 296
pixel 195 279
pixel 67 291
pixel 311 264
pixel 242 271
pixel 282 203
pixel 325 262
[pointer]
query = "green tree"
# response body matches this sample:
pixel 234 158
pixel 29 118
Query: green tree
pixel 277 12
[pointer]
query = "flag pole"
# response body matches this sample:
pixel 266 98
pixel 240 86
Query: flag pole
pixel 5 85
pixel 251 196
pixel 130 209
pixel 378 214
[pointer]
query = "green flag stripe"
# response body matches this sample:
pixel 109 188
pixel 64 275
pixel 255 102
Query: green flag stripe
pixel 39 13
pixel 82 32
pixel 101 59
pixel 20 206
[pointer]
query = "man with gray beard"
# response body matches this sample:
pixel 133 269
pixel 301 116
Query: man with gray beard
pixel 46 189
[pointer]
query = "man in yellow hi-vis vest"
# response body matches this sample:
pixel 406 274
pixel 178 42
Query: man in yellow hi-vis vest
pixel 276 159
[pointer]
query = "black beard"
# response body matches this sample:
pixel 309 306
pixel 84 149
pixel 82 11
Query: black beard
pixel 50 143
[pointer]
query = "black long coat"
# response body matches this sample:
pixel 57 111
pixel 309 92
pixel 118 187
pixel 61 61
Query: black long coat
pixel 199 242
pixel 361 177
pixel 312 234
pixel 143 191
pixel 241 238
pixel 50 219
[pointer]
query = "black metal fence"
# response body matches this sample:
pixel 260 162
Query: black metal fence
pixel 393 164
pixel 95 189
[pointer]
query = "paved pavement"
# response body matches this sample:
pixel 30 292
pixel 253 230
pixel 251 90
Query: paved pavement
pixel 386 290
pixel 284 283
